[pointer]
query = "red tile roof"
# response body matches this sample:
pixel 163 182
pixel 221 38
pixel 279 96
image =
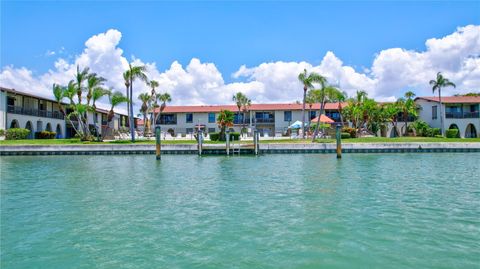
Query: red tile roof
pixel 453 99
pixel 253 107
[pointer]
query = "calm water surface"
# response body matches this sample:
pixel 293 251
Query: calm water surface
pixel 272 211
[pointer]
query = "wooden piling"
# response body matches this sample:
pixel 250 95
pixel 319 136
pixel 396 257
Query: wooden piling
pixel 228 142
pixel 200 143
pixel 158 143
pixel 255 141
pixel 338 135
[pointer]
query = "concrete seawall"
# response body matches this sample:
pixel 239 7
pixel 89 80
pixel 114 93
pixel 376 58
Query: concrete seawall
pixel 116 149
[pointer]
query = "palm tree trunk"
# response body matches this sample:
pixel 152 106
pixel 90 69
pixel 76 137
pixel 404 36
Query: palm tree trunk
pixel 128 98
pixel 303 111
pixel 442 128
pixel 132 128
pixel 340 112
pixel 322 106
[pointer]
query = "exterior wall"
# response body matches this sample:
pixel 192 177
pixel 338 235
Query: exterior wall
pixel 425 114
pixel 34 120
pixel 3 110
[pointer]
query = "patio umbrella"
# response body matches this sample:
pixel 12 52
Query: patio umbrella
pixel 296 125
pixel 323 119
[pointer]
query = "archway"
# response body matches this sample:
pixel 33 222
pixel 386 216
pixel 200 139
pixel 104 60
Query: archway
pixel 454 126
pixel 14 124
pixel 470 131
pixel 48 128
pixel 58 131
pixel 29 127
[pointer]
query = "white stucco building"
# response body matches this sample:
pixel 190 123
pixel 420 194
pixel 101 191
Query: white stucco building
pixel 35 113
pixel 459 112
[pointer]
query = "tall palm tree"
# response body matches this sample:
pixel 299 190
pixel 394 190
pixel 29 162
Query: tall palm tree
pixel 80 77
pixel 97 93
pixel 310 100
pixel 145 98
pixel 115 98
pixel 126 81
pixel 93 82
pixel 133 72
pixel 409 109
pixel 153 99
pixel 308 81
pixel 242 101
pixel 327 93
pixel 437 84
pixel 164 99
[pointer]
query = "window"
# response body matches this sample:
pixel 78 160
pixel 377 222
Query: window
pixel 211 117
pixel 189 130
pixel 434 112
pixel 211 130
pixel 287 115
pixel 313 114
pixel 167 119
pixel 238 118
pixel 189 117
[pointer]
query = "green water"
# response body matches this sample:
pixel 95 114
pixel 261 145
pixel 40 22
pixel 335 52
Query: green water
pixel 272 211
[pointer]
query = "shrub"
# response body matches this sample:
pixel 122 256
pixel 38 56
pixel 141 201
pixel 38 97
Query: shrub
pixel 439 136
pixel 234 136
pixel 420 127
pixel 2 132
pixel 345 135
pixel 435 131
pixel 17 133
pixel 214 136
pixel 45 135
pixel 452 133
pixel 351 131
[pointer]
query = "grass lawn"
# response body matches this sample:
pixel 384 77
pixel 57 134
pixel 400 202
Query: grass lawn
pixel 291 141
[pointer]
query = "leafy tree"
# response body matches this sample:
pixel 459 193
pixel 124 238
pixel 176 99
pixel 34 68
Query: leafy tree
pixel 327 93
pixel 224 120
pixel 437 84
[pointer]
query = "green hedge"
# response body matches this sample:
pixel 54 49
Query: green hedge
pixel 452 133
pixel 45 135
pixel 216 136
pixel 17 133
pixel 345 135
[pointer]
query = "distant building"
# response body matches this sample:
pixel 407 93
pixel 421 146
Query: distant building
pixel 460 112
pixel 269 119
pixel 35 113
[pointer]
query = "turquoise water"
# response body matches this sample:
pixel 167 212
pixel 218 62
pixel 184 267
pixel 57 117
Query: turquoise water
pixel 272 211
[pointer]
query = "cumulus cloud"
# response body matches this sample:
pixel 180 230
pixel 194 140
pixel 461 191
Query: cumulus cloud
pixel 393 71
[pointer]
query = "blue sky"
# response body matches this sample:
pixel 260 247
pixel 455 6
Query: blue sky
pixel 228 34
pixel 203 52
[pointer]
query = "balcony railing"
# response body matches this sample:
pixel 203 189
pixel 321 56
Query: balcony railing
pixel 166 122
pixel 462 115
pixel 263 120
pixel 35 112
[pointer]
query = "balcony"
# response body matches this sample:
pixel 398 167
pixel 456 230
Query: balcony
pixel 264 120
pixel 35 112
pixel 462 115
pixel 166 122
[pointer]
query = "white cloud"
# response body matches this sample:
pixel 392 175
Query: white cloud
pixel 393 71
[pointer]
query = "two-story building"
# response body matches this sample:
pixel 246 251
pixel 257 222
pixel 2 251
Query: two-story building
pixel 459 112
pixel 35 113
pixel 269 119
